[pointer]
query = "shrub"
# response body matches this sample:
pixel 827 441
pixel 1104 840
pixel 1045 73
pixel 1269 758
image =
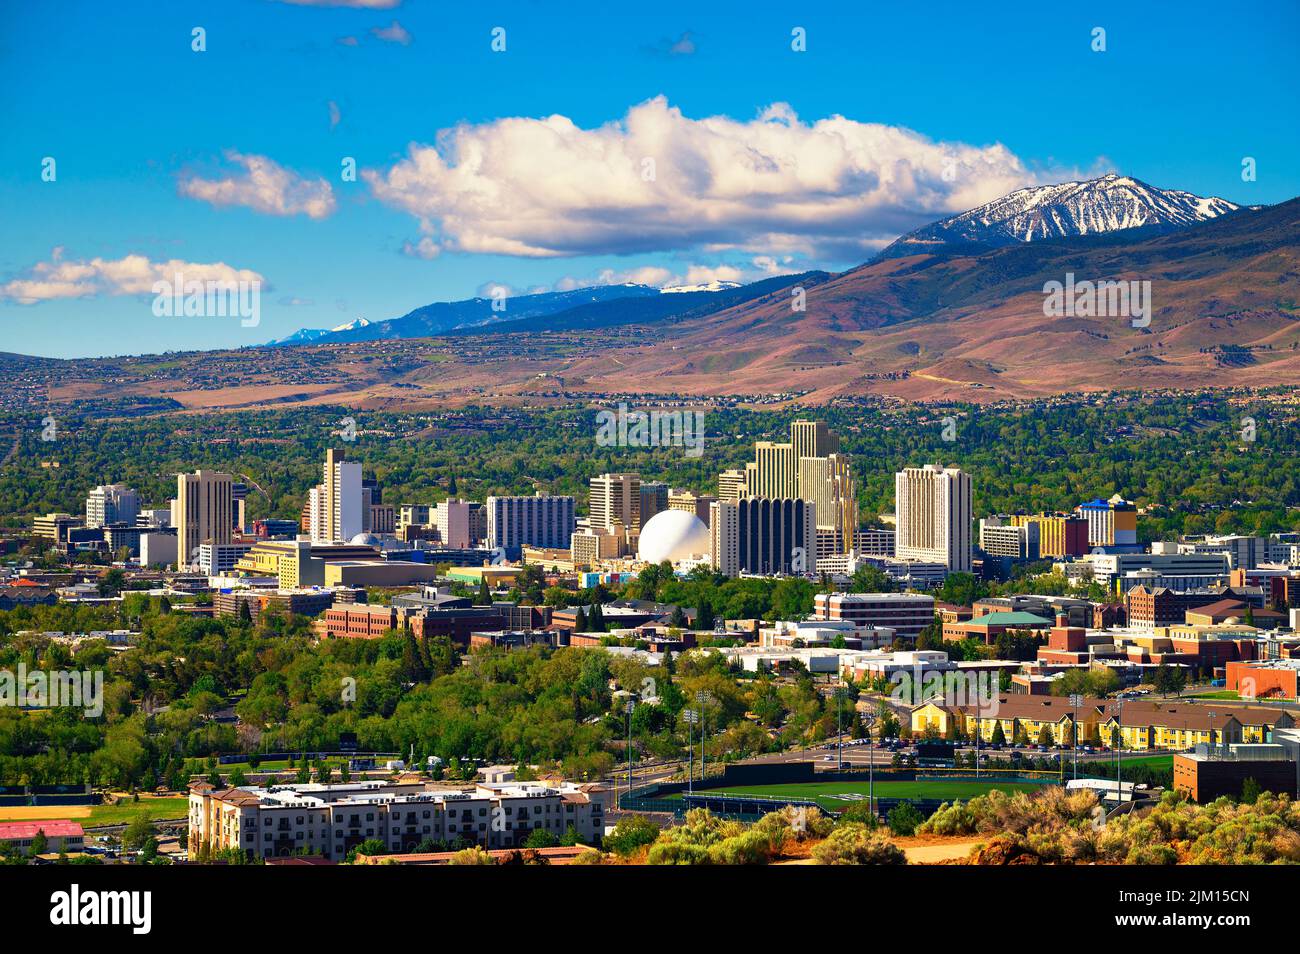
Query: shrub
pixel 471 856
pixel 858 845
pixel 904 819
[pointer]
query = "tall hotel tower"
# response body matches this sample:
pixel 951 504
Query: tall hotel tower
pixel 933 507
pixel 202 513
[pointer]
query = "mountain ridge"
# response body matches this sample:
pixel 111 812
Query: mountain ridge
pixel 1108 204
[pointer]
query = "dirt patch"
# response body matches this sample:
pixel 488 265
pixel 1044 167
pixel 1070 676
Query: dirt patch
pixel 43 812
pixel 936 849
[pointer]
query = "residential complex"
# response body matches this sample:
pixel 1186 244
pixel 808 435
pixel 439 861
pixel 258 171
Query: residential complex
pixel 330 820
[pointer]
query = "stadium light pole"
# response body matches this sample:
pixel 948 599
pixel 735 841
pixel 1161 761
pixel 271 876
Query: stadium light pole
pixel 703 698
pixel 869 720
pixel 1119 749
pixel 1076 700
pixel 628 709
pixel 690 715
pixel 840 694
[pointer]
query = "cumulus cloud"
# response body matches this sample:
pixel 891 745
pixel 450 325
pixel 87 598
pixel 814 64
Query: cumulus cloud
pixel 658 181
pixel 264 186
pixel 129 275
pixel 393 33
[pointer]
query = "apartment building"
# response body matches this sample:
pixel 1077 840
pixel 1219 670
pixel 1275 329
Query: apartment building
pixel 1141 725
pixel 1000 538
pixel 220 559
pixel 338 505
pixel 330 819
pixel 453 520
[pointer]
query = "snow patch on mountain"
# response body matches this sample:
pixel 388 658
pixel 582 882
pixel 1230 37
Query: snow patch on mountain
pixel 1108 204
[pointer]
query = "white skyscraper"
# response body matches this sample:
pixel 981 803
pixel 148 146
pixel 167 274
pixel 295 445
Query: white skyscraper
pixel 933 508
pixel 336 505
pixel 112 503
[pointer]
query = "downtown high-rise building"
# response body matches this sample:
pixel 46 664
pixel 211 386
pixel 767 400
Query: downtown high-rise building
pixel 202 513
pixel 615 499
pixel 933 511
pixel 762 536
pixel 337 506
pixel 731 485
pixel 809 467
pixel 654 498
pixel 539 521
pixel 112 503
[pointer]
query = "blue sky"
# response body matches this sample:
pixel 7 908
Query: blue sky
pixel 158 148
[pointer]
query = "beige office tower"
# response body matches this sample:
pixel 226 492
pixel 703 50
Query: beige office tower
pixel 689 502
pixel 828 482
pixel 933 509
pixel 773 473
pixel 731 485
pixel 202 513
pixel 813 439
pixel 616 499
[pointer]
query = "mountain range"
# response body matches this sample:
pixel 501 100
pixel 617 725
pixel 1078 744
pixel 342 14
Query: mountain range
pixel 957 310
pixel 1109 205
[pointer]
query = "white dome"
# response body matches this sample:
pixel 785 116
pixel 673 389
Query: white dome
pixel 365 540
pixel 673 535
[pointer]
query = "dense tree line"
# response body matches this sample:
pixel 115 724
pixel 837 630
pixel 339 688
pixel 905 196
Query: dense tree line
pixel 1185 459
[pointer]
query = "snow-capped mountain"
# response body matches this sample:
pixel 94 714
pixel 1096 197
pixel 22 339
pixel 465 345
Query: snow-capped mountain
pixel 1108 204
pixel 351 325
pixel 712 286
pixel 309 335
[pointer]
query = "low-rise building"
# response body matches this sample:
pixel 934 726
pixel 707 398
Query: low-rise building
pixel 905 613
pixel 60 835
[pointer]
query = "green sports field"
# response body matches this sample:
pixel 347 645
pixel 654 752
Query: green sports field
pixel 158 809
pixel 830 795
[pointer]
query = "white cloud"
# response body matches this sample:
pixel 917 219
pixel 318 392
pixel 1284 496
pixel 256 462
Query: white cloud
pixel 265 186
pixel 393 33
pixel 833 189
pixel 336 115
pixel 129 275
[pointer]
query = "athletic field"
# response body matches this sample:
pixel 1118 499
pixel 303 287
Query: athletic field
pixel 158 809
pixel 836 796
